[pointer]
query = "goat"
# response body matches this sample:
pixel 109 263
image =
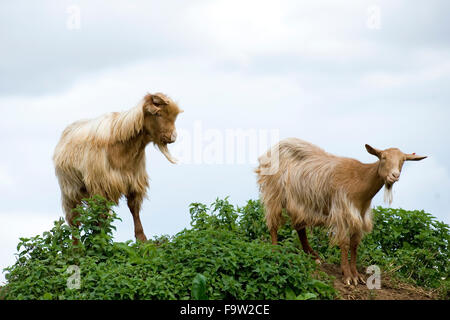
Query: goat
pixel 106 156
pixel 319 189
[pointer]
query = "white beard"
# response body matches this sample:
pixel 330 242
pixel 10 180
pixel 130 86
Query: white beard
pixel 388 195
pixel 165 151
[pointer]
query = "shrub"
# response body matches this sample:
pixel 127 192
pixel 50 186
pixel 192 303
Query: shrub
pixel 226 254
pixel 215 259
pixel 411 245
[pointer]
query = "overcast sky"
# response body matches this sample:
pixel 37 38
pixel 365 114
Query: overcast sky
pixel 336 73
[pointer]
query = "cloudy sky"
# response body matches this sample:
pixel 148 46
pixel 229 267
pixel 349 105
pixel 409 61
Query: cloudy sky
pixel 336 73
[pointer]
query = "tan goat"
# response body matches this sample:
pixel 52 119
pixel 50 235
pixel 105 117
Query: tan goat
pixel 106 156
pixel 319 189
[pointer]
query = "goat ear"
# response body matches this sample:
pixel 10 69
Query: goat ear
pixel 160 99
pixel 375 152
pixel 414 157
pixel 149 106
pixel 153 109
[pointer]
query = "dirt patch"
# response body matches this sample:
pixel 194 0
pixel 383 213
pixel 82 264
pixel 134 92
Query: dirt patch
pixel 391 289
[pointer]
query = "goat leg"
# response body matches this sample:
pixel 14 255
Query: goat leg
pixel 305 244
pixel 134 204
pixel 345 266
pixel 274 236
pixel 354 242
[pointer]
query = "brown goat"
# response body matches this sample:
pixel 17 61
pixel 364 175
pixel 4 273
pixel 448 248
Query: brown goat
pixel 319 189
pixel 106 156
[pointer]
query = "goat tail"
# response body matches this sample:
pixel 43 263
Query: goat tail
pixel 272 196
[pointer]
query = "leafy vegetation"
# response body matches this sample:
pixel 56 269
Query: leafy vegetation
pixel 226 254
pixel 215 259
pixel 412 244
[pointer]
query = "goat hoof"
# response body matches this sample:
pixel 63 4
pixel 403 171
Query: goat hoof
pixel 357 278
pixel 348 281
pixel 361 279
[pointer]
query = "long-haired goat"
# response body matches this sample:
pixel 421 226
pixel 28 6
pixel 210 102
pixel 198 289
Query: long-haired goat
pixel 106 156
pixel 317 188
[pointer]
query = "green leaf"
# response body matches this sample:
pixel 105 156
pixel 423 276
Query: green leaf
pixel 306 296
pixel 199 287
pixel 47 296
pixel 290 294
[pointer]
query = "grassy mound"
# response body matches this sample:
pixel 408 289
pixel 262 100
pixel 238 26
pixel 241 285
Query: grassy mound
pixel 226 254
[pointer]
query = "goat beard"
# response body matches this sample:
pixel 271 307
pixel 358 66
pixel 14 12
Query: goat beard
pixel 165 151
pixel 388 194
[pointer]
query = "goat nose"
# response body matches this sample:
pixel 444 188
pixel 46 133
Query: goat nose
pixel 174 136
pixel 396 175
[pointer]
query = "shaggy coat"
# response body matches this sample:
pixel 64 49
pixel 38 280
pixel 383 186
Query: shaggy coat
pixel 320 189
pixel 106 156
pixel 312 186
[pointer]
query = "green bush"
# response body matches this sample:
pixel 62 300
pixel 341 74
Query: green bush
pixel 226 254
pixel 410 245
pixel 215 259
